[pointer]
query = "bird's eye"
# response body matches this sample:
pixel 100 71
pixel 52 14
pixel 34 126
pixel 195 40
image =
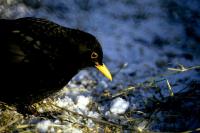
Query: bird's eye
pixel 94 55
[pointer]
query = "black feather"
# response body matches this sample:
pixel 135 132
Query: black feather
pixel 39 57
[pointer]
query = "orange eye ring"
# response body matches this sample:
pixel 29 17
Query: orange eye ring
pixel 94 55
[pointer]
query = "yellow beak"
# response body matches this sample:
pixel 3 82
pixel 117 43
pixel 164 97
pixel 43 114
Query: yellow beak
pixel 104 70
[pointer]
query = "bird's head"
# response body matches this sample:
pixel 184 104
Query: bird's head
pixel 91 54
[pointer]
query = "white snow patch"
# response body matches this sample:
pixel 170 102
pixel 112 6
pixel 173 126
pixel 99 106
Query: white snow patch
pixel 90 122
pixel 44 126
pixel 73 130
pixel 93 114
pixel 119 106
pixel 65 102
pixel 82 102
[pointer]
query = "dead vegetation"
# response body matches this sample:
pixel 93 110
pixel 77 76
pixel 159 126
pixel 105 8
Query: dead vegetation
pixel 183 105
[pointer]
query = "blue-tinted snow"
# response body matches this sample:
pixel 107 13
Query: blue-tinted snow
pixel 140 40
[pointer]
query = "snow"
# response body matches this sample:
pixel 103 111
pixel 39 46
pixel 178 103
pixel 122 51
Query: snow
pixel 65 102
pixel 82 102
pixel 141 126
pixel 43 126
pixel 139 34
pixel 119 106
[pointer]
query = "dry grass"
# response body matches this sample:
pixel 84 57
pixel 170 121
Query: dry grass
pixel 11 121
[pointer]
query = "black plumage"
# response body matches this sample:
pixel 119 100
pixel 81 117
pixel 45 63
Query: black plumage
pixel 39 57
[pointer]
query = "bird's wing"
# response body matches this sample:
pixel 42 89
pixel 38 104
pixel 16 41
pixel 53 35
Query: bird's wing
pixel 27 37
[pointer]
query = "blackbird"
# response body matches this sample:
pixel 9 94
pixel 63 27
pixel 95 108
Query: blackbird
pixel 39 57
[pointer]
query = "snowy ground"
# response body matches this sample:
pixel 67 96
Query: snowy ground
pixel 141 39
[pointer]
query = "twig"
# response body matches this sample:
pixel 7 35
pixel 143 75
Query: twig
pixel 25 126
pixel 170 88
pixel 98 120
pixel 174 71
pixel 9 124
pixel 88 117
pixel 183 69
pixel 192 131
pixel 124 92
